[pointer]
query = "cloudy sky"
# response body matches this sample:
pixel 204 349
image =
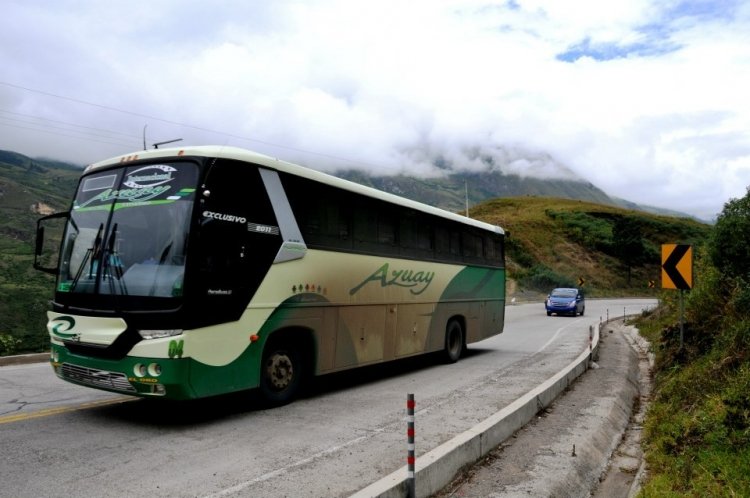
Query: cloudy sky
pixel 648 100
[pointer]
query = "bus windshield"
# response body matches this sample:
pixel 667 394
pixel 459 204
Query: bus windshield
pixel 127 232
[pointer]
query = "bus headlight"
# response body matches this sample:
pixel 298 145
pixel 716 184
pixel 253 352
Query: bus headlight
pixel 157 334
pixel 139 369
pixel 154 370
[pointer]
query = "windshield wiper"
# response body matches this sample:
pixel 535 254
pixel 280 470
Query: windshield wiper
pixel 112 262
pixel 92 254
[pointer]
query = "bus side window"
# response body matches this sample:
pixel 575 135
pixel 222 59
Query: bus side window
pixel 323 213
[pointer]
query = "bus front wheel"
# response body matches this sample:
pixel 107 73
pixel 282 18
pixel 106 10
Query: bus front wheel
pixel 454 341
pixel 280 374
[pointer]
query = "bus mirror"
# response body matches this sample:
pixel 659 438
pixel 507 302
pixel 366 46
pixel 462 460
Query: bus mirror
pixel 39 241
pixel 49 230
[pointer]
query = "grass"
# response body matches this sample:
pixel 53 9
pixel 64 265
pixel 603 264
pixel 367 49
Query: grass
pixel 555 242
pixel 697 430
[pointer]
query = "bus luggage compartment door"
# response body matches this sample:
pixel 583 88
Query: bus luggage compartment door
pixel 360 336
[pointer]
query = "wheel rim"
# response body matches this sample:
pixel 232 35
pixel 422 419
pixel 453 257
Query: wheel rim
pixel 279 371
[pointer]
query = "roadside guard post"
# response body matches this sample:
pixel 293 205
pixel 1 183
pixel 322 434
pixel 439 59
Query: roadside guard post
pixel 410 458
pixel 677 273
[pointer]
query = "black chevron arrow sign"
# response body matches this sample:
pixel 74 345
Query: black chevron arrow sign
pixel 677 266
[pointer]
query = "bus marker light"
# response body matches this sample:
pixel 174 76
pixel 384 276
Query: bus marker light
pixel 254 337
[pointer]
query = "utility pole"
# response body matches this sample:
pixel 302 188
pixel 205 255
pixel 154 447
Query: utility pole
pixel 466 196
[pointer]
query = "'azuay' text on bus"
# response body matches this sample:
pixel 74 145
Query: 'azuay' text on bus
pixel 417 282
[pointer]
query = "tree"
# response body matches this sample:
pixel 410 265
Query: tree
pixel 729 247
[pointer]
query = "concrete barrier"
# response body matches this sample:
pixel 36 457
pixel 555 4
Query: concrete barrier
pixel 436 469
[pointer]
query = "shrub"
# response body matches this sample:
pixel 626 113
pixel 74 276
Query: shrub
pixel 518 253
pixel 8 344
pixel 542 278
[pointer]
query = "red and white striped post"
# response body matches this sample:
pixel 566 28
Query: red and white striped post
pixel 410 458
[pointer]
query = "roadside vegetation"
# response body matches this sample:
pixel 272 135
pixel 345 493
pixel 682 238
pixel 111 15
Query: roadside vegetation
pixel 28 189
pixel 556 242
pixel 697 431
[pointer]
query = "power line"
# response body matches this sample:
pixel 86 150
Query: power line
pixel 194 127
pixel 66 123
pixel 82 131
pixel 121 144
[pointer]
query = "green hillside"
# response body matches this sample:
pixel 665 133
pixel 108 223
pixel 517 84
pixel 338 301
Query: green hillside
pixel 449 192
pixel 556 242
pixel 28 189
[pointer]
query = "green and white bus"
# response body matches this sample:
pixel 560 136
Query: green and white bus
pixel 185 273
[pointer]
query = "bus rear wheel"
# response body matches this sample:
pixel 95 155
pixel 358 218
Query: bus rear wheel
pixel 280 374
pixel 454 341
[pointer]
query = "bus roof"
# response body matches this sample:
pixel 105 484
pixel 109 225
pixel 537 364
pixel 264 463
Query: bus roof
pixel 292 169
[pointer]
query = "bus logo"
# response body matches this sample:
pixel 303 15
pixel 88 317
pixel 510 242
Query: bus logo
pixel 61 325
pixel 150 176
pixel 417 282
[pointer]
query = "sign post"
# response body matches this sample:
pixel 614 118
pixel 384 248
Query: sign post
pixel 677 273
pixel 411 483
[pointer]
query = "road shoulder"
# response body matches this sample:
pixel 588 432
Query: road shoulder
pixel 565 450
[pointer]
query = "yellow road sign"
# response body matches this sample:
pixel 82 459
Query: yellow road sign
pixel 676 266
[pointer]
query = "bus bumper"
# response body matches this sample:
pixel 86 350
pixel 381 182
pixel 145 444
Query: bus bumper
pixel 145 377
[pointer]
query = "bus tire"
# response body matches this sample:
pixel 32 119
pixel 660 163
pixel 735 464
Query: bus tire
pixel 454 341
pixel 280 373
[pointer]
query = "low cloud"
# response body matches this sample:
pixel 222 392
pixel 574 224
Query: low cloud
pixel 646 100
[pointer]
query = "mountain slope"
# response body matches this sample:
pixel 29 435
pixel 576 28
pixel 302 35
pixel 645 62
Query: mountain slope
pixel 555 241
pixel 28 189
pixel 449 192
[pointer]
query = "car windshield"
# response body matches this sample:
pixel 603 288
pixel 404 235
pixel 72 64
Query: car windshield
pixel 127 231
pixel 568 293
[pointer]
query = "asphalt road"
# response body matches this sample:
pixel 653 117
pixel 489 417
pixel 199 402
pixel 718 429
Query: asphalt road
pixel 349 431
